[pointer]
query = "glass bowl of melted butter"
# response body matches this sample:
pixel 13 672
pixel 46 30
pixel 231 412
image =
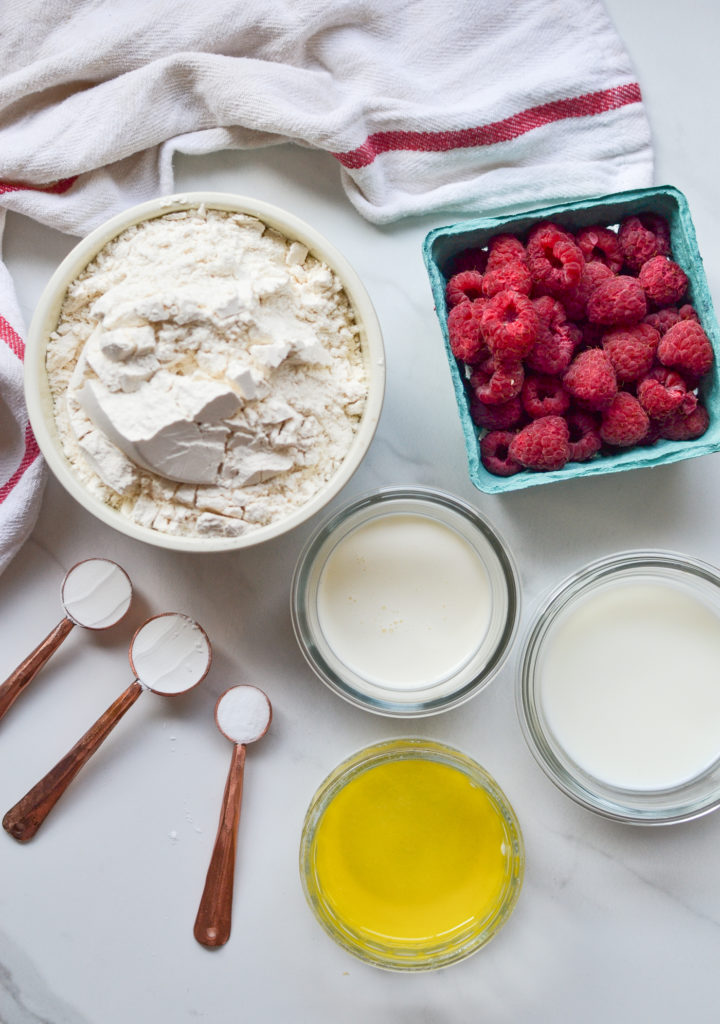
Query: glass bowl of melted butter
pixel 411 856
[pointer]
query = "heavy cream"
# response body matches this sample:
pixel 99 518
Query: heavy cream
pixel 628 684
pixel 207 374
pixel 404 601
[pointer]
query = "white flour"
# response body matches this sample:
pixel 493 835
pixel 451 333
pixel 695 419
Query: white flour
pixel 206 373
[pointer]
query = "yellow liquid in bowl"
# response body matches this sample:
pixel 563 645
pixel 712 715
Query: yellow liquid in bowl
pixel 411 853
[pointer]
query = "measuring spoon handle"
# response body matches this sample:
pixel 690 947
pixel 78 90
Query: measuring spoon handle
pixel 24 819
pixel 15 683
pixel 214 916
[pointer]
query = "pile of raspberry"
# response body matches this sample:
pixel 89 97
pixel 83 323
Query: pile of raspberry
pixel 577 344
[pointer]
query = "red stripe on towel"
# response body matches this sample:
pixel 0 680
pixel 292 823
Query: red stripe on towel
pixel 489 134
pixel 57 187
pixel 29 455
pixel 16 345
pixel 12 339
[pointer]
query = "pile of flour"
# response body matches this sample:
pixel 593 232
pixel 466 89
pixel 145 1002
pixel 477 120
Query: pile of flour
pixel 207 374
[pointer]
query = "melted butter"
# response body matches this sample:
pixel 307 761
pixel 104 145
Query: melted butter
pixel 412 851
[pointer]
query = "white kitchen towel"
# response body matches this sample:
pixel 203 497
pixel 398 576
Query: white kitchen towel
pixel 425 106
pixel 22 470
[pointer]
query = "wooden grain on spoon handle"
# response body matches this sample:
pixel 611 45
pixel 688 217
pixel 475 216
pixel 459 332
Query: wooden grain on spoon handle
pixel 15 683
pixel 24 819
pixel 214 916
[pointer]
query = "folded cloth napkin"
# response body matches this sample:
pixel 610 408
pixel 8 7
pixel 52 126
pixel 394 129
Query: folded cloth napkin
pixel 426 106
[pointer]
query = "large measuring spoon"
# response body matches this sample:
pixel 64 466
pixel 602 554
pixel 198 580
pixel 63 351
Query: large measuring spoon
pixel 169 654
pixel 95 594
pixel 243 714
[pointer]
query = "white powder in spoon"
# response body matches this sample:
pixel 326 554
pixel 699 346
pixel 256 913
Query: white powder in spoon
pixel 243 714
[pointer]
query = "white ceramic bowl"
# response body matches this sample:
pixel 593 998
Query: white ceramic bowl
pixel 39 398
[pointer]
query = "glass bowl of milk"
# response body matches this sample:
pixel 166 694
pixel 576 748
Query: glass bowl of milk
pixel 618 692
pixel 405 602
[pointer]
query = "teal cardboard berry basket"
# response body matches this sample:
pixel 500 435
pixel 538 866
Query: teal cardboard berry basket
pixel 442 244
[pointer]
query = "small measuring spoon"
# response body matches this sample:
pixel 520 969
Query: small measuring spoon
pixel 243 714
pixel 95 594
pixel 169 654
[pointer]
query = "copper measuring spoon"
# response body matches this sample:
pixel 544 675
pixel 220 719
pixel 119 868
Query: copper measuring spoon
pixel 243 714
pixel 169 654
pixel 96 594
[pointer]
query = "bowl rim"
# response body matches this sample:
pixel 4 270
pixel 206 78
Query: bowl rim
pixel 593 794
pixel 403 748
pixel 385 496
pixel 39 400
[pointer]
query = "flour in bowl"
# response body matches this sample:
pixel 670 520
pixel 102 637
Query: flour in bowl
pixel 207 374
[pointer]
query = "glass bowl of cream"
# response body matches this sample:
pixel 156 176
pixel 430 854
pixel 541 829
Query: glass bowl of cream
pixel 204 372
pixel 618 693
pixel 405 602
pixel 411 856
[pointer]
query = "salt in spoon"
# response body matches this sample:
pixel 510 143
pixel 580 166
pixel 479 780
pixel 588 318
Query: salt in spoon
pixel 243 714
pixel 96 594
pixel 169 654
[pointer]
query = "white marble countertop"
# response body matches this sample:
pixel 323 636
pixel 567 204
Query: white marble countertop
pixel 614 922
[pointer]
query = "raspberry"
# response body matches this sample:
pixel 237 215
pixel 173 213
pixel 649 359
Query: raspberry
pixel 550 311
pixel 552 352
pixel 584 437
pixel 664 281
pixel 494 453
pixel 624 422
pixel 496 417
pixel 544 395
pixel 542 444
pixel 664 392
pixel 575 300
pixel 660 228
pixel 617 302
pixel 505 247
pixel 686 427
pixel 600 245
pixel 553 349
pixel 664 319
pixel 464 287
pixel 643 237
pixel 688 312
pixel 465 331
pixel 686 347
pixel 652 435
pixel 468 259
pixel 510 325
pixel 594 274
pixel 495 384
pixel 555 261
pixel 591 379
pixel 631 351
pixel 504 275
